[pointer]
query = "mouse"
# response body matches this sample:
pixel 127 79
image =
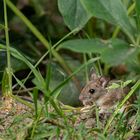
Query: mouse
pixel 96 92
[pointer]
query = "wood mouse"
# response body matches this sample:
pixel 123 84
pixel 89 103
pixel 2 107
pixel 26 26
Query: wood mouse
pixel 96 92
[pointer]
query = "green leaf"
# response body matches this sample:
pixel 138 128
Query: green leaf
pixel 75 16
pixel 84 45
pixel 39 81
pixel 113 51
pixel 118 52
pixel 138 7
pixel 112 11
pixel 138 13
pixel 126 83
pixel 113 86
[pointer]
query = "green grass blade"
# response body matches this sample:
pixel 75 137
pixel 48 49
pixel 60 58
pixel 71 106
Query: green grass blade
pixel 35 98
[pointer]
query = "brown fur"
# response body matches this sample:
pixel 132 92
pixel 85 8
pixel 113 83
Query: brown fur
pixel 102 97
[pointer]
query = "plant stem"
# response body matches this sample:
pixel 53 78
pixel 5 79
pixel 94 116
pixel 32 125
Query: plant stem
pixel 86 68
pixel 8 50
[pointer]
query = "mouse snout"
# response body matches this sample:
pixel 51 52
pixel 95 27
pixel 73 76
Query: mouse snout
pixel 84 97
pixel 81 97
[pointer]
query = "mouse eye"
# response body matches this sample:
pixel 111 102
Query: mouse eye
pixel 92 91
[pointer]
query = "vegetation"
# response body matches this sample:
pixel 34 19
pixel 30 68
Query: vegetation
pixel 47 50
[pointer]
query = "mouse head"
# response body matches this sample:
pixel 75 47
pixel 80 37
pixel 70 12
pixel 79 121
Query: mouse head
pixel 94 89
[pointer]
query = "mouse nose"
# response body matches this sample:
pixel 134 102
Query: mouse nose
pixel 83 97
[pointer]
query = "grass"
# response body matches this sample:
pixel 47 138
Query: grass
pixel 48 118
pixel 55 126
pixel 51 119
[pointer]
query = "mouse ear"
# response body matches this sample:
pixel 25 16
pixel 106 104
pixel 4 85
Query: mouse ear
pixel 104 81
pixel 93 76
